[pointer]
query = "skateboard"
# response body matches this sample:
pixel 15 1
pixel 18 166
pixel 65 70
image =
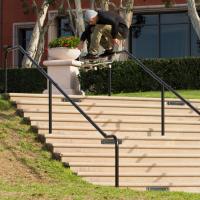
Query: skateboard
pixel 101 61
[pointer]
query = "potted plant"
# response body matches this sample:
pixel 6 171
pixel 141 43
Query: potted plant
pixel 64 48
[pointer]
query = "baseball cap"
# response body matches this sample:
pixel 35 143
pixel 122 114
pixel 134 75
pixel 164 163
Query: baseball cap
pixel 90 14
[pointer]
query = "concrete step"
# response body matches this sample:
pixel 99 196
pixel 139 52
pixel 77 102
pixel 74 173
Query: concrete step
pixel 112 123
pixel 182 187
pixel 131 140
pixel 125 149
pixel 99 99
pixel 112 116
pixel 124 121
pixel 137 178
pixel 135 158
pixel 144 103
pixel 72 139
pixel 135 167
pixel 98 107
pixel 129 100
pixel 33 97
pixel 136 132
pixel 117 99
pixel 117 126
pixel 64 113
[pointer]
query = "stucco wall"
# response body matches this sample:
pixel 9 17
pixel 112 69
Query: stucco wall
pixel 12 12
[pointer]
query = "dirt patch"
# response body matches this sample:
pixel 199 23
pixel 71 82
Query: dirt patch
pixel 13 161
pixel 12 168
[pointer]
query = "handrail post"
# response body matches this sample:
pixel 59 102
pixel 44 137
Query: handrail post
pixel 116 163
pixel 162 110
pixel 50 107
pixel 109 80
pixel 115 139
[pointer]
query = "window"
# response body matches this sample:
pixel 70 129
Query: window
pixel 164 35
pixel 64 27
pixel 24 37
pixel 145 35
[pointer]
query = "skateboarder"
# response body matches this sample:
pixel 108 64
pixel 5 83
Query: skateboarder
pixel 105 28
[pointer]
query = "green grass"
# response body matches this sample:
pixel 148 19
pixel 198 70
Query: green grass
pixel 31 173
pixel 187 94
pixel 4 105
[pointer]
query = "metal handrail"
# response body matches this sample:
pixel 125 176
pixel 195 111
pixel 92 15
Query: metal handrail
pixel 163 85
pixel 51 81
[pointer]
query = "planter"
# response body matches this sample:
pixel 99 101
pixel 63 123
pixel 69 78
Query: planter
pixel 63 53
pixel 65 74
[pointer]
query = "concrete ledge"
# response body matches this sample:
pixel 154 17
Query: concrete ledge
pixel 74 63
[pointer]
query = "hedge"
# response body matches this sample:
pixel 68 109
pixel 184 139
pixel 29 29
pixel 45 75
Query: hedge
pixel 127 76
pixel 26 80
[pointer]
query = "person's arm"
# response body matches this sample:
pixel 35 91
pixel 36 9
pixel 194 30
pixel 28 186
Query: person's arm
pixel 84 36
pixel 109 19
pixel 81 44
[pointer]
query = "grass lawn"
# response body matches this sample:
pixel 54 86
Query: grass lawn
pixel 187 94
pixel 28 171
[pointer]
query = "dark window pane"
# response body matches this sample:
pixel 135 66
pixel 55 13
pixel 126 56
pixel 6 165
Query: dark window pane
pixel 195 43
pixel 145 19
pixel 174 18
pixel 146 44
pixel 24 37
pixel 65 27
pixel 175 40
pixel 28 35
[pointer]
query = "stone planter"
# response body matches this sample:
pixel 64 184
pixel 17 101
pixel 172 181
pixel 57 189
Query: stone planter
pixel 63 53
pixel 65 74
pixel 63 69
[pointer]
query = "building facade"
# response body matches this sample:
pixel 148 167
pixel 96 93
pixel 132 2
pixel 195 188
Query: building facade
pixel 157 31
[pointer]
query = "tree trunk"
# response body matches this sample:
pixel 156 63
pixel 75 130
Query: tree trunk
pixel 80 26
pixel 103 4
pixel 194 16
pixel 126 11
pixel 33 45
pixel 92 4
pixel 40 47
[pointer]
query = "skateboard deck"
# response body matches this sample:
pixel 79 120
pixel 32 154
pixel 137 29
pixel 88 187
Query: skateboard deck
pixel 102 61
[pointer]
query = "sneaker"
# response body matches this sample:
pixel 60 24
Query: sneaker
pixel 90 56
pixel 107 52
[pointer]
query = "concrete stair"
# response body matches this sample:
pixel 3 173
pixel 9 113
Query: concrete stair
pixel 147 159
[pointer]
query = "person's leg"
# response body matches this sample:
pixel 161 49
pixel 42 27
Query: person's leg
pixel 95 39
pixel 106 39
pixel 106 42
pixel 100 36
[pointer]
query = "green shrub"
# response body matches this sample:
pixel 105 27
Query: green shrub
pixel 126 77
pixel 23 80
pixel 129 77
pixel 67 41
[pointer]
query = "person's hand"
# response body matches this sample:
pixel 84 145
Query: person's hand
pixel 80 46
pixel 116 41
